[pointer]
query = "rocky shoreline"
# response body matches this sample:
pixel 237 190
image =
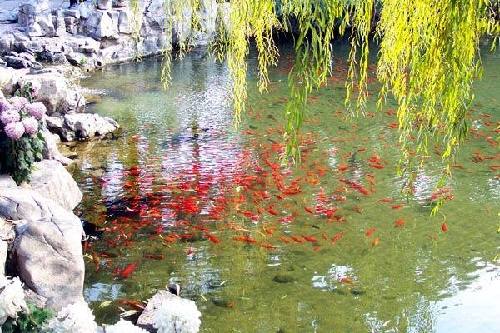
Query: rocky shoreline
pixel 45 47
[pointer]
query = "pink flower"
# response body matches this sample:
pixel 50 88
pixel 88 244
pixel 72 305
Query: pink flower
pixel 30 125
pixel 14 130
pixel 37 110
pixel 9 116
pixel 4 105
pixel 18 103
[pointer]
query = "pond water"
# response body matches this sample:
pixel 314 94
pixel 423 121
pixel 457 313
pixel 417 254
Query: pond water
pixel 330 245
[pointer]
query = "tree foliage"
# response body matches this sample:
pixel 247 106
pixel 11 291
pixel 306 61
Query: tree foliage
pixel 428 58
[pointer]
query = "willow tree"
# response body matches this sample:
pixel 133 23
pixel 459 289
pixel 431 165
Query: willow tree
pixel 428 57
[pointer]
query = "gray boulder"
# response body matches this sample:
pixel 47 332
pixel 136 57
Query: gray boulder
pixel 48 263
pixel 47 250
pixel 104 4
pixel 7 182
pixel 17 62
pixel 124 24
pixel 3 254
pixel 7 234
pixel 36 17
pixel 184 313
pixel 86 126
pixel 208 18
pixel 100 25
pixel 120 3
pixel 54 90
pixel 9 79
pixel 8 10
pixel 182 28
pixel 50 149
pixel 53 181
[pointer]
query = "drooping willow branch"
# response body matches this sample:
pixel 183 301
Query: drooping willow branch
pixel 317 20
pixel 428 59
pixel 257 19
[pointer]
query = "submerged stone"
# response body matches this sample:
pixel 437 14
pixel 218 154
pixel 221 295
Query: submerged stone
pixel 284 278
pixel 222 302
pixel 357 291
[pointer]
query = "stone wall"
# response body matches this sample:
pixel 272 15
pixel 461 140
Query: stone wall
pixel 95 33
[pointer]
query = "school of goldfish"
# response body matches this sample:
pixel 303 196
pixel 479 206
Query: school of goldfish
pixel 249 198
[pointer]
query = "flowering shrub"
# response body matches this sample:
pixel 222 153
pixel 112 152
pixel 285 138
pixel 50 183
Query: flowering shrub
pixel 21 141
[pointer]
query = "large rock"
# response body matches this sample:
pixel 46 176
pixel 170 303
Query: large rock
pixel 100 25
pixel 7 181
pixel 181 28
pixel 174 313
pixel 8 10
pixel 20 203
pixel 17 62
pixel 48 264
pixel 208 19
pixel 36 17
pixel 49 25
pixel 55 92
pixel 47 250
pixel 104 4
pixel 224 14
pixel 50 149
pixel 124 24
pixel 7 234
pixel 86 126
pixel 3 254
pixel 53 181
pixel 9 79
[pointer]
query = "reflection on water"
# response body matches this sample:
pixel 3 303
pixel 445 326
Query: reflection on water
pixel 330 245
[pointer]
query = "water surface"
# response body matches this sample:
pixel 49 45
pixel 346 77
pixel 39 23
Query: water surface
pixel 328 246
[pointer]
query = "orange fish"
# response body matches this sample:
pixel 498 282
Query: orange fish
pixel 137 305
pixel 356 186
pixel 268 231
pixel 399 223
pixel 246 239
pixel 96 260
pixel 370 231
pixel 342 167
pixel 309 209
pixel 268 246
pixel 153 256
pixel 298 239
pixel 377 165
pixel 376 241
pixel 285 239
pixel 212 238
pixel 272 211
pixel 345 280
pixel 374 159
pixel 127 271
pixel 338 236
pixel 286 219
pixel 311 239
pixel 444 227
